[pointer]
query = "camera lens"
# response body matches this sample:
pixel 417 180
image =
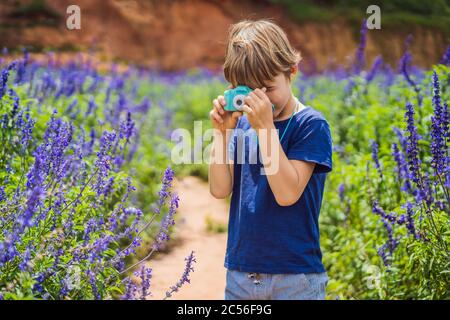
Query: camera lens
pixel 238 102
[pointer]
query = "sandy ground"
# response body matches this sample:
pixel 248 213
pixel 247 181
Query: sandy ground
pixel 208 278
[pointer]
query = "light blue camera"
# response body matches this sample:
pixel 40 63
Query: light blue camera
pixel 235 98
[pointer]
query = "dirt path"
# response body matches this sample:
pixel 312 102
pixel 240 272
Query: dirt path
pixel 208 278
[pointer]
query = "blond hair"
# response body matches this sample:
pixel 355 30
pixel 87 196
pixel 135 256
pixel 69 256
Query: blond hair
pixel 257 51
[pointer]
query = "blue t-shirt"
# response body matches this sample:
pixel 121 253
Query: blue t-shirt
pixel 262 235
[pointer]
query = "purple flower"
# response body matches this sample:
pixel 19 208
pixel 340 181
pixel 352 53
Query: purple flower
pixel 386 251
pixel 405 61
pixel 90 227
pixel 99 246
pixel 422 181
pixel 438 148
pixel 359 56
pixel 425 192
pixel 386 216
pixel 402 168
pixel 128 212
pixel 185 277
pixel 39 280
pixel 392 242
pixel 145 274
pixel 401 220
pixel 446 57
pixel 130 290
pixel 88 146
pixel 64 290
pixel 35 200
pixel 412 145
pixel 57 259
pixel 134 244
pixel 166 185
pixel 93 282
pixel 144 106
pixel 26 258
pixel 374 146
pixel 167 221
pixel 48 83
pixel 103 162
pixel 4 78
pixel 410 221
pixel 389 76
pixel 26 128
pixel 384 255
pixel 118 161
pixel 15 99
pixel 72 105
pixel 5 121
pixel 109 187
pixel 445 128
pixel 57 138
pixel 127 128
pixel 2 194
pixel 91 106
pixel 446 122
pixel 96 80
pixel 341 191
pixel 21 69
pixel 375 66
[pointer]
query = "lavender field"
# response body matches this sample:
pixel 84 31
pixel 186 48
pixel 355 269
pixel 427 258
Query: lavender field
pixel 86 177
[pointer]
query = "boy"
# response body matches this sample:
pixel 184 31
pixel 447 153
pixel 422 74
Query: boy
pixel 273 249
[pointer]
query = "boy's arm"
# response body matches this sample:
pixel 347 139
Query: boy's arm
pixel 292 176
pixel 220 169
pixel 310 152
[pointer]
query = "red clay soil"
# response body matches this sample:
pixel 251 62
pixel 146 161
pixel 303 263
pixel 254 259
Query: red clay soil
pixel 173 35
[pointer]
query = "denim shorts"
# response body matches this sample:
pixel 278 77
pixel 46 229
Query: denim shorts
pixel 263 286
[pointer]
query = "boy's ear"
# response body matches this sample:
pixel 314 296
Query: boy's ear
pixel 294 71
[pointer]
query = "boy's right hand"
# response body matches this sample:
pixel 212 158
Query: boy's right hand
pixel 221 119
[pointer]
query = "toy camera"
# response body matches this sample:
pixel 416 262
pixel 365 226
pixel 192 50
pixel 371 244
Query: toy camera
pixel 235 98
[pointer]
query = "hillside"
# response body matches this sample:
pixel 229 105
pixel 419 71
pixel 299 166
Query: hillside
pixel 173 35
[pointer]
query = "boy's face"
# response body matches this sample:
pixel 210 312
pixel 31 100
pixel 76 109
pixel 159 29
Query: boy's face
pixel 279 93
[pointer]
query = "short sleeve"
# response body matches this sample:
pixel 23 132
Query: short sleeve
pixel 314 144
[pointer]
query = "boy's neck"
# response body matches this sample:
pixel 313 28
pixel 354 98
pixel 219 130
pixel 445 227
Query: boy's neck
pixel 287 111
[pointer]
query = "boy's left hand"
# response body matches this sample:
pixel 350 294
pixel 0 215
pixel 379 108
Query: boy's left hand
pixel 259 109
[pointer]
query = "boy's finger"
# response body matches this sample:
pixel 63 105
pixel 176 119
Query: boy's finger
pixel 249 100
pixel 260 93
pixel 247 109
pixel 218 107
pixel 256 98
pixel 214 115
pixel 222 100
pixel 218 118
